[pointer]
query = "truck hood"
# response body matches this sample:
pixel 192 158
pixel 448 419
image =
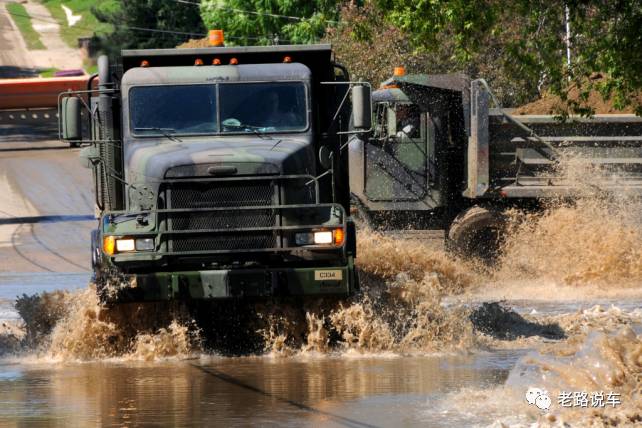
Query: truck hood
pixel 153 160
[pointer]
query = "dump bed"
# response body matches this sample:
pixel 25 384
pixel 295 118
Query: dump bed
pixel 543 156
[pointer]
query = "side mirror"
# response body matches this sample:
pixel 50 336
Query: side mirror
pixel 325 157
pixel 361 107
pixel 70 119
pixel 89 156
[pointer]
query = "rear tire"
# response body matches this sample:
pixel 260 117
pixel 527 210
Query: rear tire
pixel 477 232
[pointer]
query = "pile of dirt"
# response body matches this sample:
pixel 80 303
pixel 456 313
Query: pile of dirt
pixel 553 104
pixel 196 43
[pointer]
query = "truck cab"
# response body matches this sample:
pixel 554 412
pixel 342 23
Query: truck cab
pixel 219 174
pixel 399 173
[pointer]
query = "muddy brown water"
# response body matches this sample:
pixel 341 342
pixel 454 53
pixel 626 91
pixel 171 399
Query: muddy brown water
pixel 404 353
pixel 338 387
pixel 336 391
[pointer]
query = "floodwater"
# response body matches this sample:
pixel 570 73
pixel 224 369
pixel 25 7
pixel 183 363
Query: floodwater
pixel 354 387
pixel 425 344
pixel 335 389
pixel 331 390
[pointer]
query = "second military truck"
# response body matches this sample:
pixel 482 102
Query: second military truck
pixel 441 159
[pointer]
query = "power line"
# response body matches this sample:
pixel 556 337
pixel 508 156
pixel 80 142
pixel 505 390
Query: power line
pixel 252 12
pixel 44 18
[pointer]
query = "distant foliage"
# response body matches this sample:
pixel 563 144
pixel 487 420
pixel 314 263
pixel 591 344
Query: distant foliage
pixel 370 43
pixel 530 39
pixel 254 22
pixel 147 14
pixel 370 46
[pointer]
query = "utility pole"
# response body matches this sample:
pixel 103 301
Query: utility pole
pixel 568 36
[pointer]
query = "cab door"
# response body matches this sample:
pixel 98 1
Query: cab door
pixel 396 158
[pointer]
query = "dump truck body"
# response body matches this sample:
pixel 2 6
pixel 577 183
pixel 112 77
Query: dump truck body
pixel 208 179
pixel 438 150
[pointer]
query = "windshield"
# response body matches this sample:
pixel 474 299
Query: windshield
pixel 192 109
pixel 266 107
pixel 184 109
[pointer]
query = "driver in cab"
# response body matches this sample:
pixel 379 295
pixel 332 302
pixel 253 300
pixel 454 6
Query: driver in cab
pixel 274 111
pixel 408 122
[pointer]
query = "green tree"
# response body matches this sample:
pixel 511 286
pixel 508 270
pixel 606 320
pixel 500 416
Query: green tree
pixel 262 22
pixel 145 24
pixel 530 39
pixel 370 44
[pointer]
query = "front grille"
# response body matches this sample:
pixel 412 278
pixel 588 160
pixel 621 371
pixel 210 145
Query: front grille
pixel 222 194
pixel 225 242
pixel 233 219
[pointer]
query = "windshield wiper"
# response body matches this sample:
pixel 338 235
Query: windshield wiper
pixel 164 131
pixel 259 133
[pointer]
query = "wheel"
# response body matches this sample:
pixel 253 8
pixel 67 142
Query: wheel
pixel 477 232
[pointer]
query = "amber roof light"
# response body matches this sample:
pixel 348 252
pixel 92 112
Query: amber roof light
pixel 217 38
pixel 399 71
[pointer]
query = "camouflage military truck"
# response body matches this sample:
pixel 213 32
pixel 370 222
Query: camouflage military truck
pixel 441 161
pixel 219 172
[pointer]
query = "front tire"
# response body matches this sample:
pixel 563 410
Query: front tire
pixel 477 232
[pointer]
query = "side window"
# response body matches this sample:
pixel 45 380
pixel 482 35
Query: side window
pixel 381 120
pixel 407 121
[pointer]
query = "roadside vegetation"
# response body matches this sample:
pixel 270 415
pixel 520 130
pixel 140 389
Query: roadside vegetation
pixel 49 72
pixel 23 22
pixel 87 26
pixel 158 24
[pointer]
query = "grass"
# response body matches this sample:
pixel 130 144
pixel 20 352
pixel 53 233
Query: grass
pixel 87 26
pixel 23 22
pixel 49 72
pixel 90 66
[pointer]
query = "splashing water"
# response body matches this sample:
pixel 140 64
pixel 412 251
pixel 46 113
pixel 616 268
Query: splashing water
pixel 398 309
pixel 69 326
pixel 594 240
pixel 602 362
pixel 591 241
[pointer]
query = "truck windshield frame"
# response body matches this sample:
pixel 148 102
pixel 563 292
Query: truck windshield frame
pixel 178 108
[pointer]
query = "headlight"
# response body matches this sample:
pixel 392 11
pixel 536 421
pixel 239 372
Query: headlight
pixel 112 245
pixel 304 238
pixel 124 245
pixel 145 244
pixel 324 237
